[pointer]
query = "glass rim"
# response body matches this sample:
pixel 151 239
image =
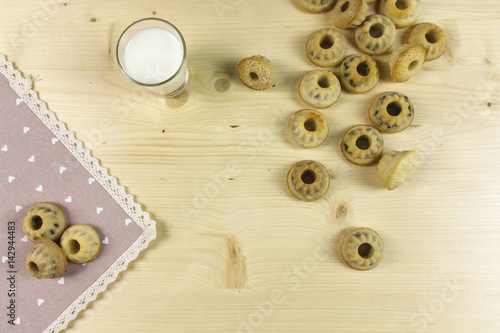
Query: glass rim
pixel 184 56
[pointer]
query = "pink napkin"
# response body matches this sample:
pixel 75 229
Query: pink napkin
pixel 40 160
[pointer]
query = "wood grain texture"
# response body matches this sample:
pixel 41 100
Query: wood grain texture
pixel 235 251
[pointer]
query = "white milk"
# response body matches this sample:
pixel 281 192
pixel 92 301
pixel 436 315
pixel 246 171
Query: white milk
pixel 154 55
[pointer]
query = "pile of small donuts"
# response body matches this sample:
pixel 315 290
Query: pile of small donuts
pixel 54 244
pixel 389 112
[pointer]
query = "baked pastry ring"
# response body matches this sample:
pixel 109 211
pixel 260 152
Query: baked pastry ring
pixel 256 72
pixel 396 167
pixel 308 128
pixel 326 47
pixel 349 13
pixel 308 180
pixel 80 243
pixel 362 145
pixel 362 248
pixel 391 112
pixel 359 73
pixel 44 220
pixel 46 260
pixel 431 37
pixel 402 12
pixel 406 61
pixel 315 6
pixel 319 88
pixel 375 36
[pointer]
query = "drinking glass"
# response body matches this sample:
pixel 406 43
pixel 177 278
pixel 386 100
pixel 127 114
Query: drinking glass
pixel 151 52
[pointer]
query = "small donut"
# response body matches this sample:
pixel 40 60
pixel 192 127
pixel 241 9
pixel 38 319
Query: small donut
pixel 326 47
pixel 362 145
pixel 391 112
pixel 315 6
pixel 256 72
pixel 308 128
pixel 44 220
pixel 402 12
pixel 406 61
pixel 319 88
pixel 308 181
pixel 362 248
pixel 46 260
pixel 349 13
pixel 359 73
pixel 431 37
pixel 396 167
pixel 80 243
pixel 375 36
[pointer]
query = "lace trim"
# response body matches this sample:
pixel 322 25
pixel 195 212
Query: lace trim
pixel 22 85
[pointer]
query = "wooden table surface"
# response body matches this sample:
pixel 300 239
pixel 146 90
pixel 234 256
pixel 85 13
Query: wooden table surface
pixel 235 251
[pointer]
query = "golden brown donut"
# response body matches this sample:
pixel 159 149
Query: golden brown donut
pixel 319 88
pixel 391 112
pixel 362 145
pixel 256 72
pixel 80 243
pixel 431 37
pixel 349 13
pixel 44 220
pixel 362 248
pixel 308 128
pixel 396 167
pixel 46 260
pixel 406 61
pixel 308 180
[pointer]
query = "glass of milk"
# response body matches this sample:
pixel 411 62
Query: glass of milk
pixel 152 53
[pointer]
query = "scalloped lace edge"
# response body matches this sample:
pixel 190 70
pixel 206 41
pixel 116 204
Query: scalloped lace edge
pixel 22 85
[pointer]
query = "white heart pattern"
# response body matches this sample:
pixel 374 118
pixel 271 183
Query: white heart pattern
pixel 60 281
pixel 40 301
pixel 128 221
pixel 11 179
pixel 24 239
pixel 18 208
pixel 91 180
pixel 26 129
pixel 17 321
pixel 4 259
pixel 54 140
pixel 4 148
pixel 105 240
pixel 32 158
pixel 18 101
pixel 62 169
pixel 68 199
pixel 39 188
pixel 99 210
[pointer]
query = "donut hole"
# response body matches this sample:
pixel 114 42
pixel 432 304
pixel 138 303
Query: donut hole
pixel 363 69
pixel 402 4
pixel 365 251
pixel 363 142
pixel 308 177
pixel 33 267
pixel 254 76
pixel 432 36
pixel 394 109
pixel 326 42
pixel 413 65
pixel 311 125
pixel 323 82
pixel 345 7
pixel 73 246
pixel 377 30
pixel 36 222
